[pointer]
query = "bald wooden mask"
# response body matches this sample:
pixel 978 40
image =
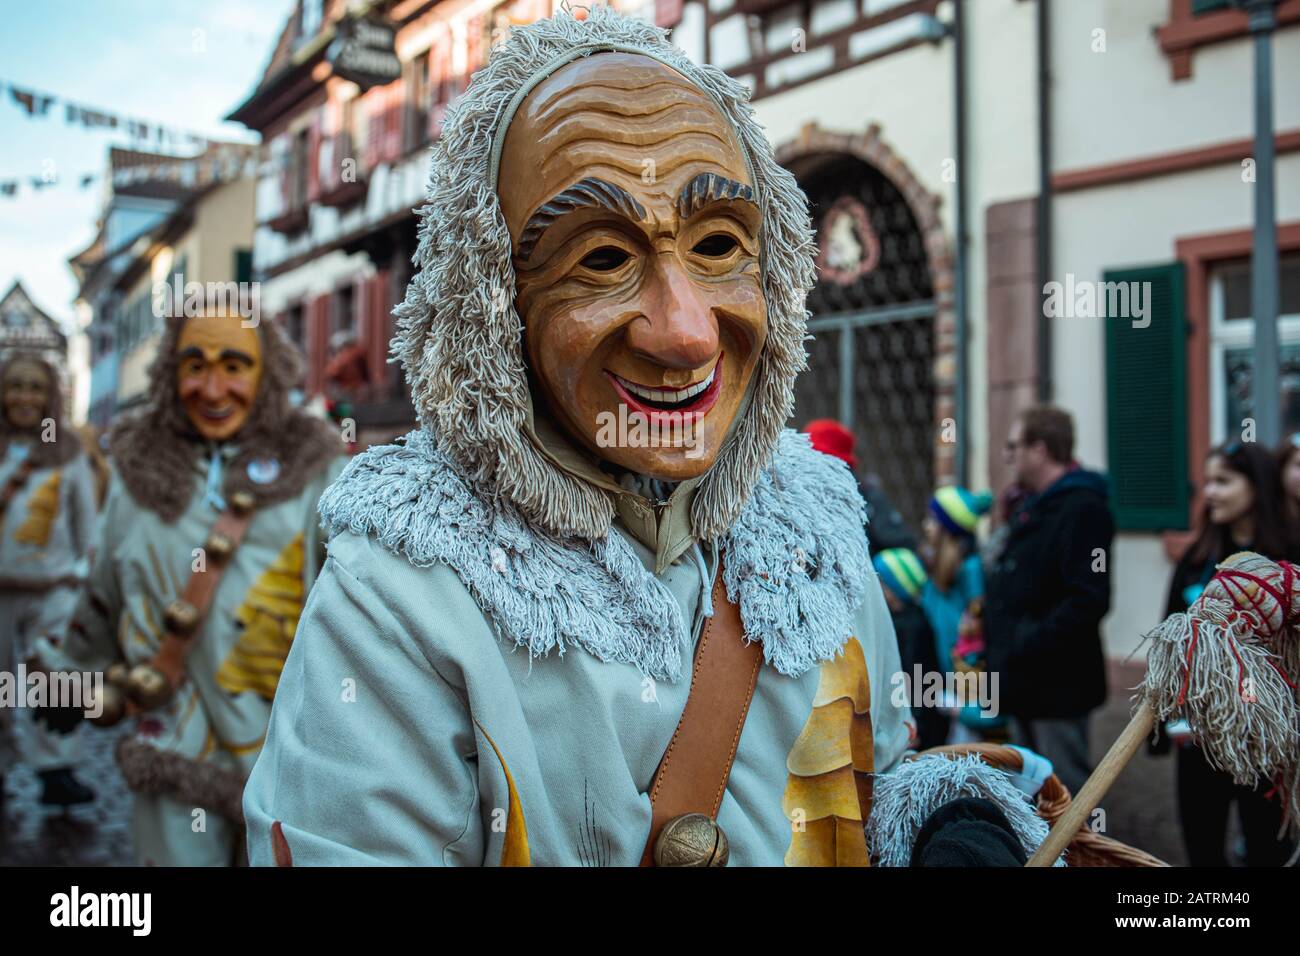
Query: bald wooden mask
pixel 636 241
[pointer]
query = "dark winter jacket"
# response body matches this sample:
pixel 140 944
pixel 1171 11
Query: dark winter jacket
pixel 1045 599
pixel 916 647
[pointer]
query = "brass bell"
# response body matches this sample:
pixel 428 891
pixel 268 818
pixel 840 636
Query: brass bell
pixel 111 703
pixel 242 502
pixel 181 617
pixel 219 546
pixel 149 687
pixel 117 675
pixel 691 840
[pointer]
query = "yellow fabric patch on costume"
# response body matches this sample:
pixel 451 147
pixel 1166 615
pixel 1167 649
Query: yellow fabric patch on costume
pixel 828 792
pixel 269 616
pixel 514 848
pixel 42 509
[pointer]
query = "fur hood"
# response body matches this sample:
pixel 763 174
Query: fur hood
pixel 155 450
pixel 67 443
pixel 459 336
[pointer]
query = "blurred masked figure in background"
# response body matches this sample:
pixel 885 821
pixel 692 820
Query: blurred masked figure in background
pixel 208 546
pixel 47 515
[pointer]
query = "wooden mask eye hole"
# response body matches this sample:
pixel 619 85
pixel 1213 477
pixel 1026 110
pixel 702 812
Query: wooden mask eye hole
pixel 604 259
pixel 715 246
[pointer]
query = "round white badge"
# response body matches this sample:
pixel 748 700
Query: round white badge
pixel 263 471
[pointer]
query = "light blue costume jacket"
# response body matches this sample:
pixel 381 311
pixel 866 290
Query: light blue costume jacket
pixel 465 690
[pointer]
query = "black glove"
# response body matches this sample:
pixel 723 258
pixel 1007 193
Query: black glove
pixel 970 831
pixel 60 720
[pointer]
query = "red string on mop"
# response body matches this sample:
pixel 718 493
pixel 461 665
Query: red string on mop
pixel 1187 667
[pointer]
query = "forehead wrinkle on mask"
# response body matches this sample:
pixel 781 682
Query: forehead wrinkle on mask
pixel 603 114
pixel 653 96
pixel 597 125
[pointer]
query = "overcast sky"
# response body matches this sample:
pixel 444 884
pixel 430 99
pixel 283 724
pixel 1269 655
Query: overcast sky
pixel 140 58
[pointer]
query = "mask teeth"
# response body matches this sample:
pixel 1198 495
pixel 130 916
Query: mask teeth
pixel 668 394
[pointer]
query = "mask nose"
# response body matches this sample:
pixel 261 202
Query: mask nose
pixel 678 329
pixel 214 388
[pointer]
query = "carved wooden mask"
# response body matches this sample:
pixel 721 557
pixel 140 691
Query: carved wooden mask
pixel 635 234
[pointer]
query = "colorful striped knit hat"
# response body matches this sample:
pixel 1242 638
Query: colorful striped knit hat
pixel 958 510
pixel 901 571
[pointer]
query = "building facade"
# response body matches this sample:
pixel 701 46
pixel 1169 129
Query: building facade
pixel 162 216
pixel 962 158
pixel 27 329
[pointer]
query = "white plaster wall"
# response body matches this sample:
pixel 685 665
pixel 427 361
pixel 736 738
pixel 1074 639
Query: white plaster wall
pixel 223 223
pixel 1139 577
pixel 1123 104
pixel 689 33
pixel 1001 165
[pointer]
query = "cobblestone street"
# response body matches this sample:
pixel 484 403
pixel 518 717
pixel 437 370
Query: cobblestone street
pixel 1142 807
pixel 97 834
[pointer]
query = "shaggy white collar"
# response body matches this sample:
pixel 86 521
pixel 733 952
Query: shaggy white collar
pixel 797 559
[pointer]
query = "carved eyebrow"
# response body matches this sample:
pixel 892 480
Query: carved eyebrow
pixel 708 188
pixel 590 192
pixel 227 355
pixel 235 355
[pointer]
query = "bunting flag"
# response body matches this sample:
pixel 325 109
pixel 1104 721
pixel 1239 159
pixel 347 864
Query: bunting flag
pixel 226 165
pixel 37 104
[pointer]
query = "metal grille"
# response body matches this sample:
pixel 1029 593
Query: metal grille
pixel 872 354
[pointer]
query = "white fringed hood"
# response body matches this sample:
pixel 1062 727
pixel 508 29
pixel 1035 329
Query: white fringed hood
pixel 474 487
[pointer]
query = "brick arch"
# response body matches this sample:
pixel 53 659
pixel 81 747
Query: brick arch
pixel 811 142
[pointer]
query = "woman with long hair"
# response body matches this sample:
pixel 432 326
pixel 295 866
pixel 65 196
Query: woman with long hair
pixel 1288 477
pixel 1242 511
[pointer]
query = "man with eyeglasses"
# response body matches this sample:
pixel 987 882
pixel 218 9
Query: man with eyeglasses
pixel 1047 593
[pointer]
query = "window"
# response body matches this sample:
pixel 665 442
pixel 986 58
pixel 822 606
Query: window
pixel 343 324
pixel 298 170
pixel 294 325
pixel 417 85
pixel 309 26
pixel 1232 334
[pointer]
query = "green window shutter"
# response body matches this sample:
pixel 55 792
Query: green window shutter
pixel 1210 6
pixel 243 265
pixel 1146 404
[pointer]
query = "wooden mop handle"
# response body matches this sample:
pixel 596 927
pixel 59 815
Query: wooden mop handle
pixel 1116 759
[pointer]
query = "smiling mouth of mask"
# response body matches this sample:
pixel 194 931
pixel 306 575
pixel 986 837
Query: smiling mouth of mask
pixel 696 399
pixel 217 414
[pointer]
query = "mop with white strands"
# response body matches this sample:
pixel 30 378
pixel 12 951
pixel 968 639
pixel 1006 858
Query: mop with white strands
pixel 1230 667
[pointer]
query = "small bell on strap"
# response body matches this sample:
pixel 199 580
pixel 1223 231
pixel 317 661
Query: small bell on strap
pixel 149 687
pixel 692 839
pixel 110 701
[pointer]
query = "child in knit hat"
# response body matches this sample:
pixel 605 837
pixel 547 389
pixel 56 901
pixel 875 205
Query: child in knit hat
pixel 955 586
pixel 903 578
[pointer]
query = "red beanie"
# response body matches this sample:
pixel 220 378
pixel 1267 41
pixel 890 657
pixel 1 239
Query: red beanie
pixel 831 438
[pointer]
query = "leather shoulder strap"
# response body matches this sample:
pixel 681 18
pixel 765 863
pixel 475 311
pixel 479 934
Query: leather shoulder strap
pixel 225 537
pixel 692 775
